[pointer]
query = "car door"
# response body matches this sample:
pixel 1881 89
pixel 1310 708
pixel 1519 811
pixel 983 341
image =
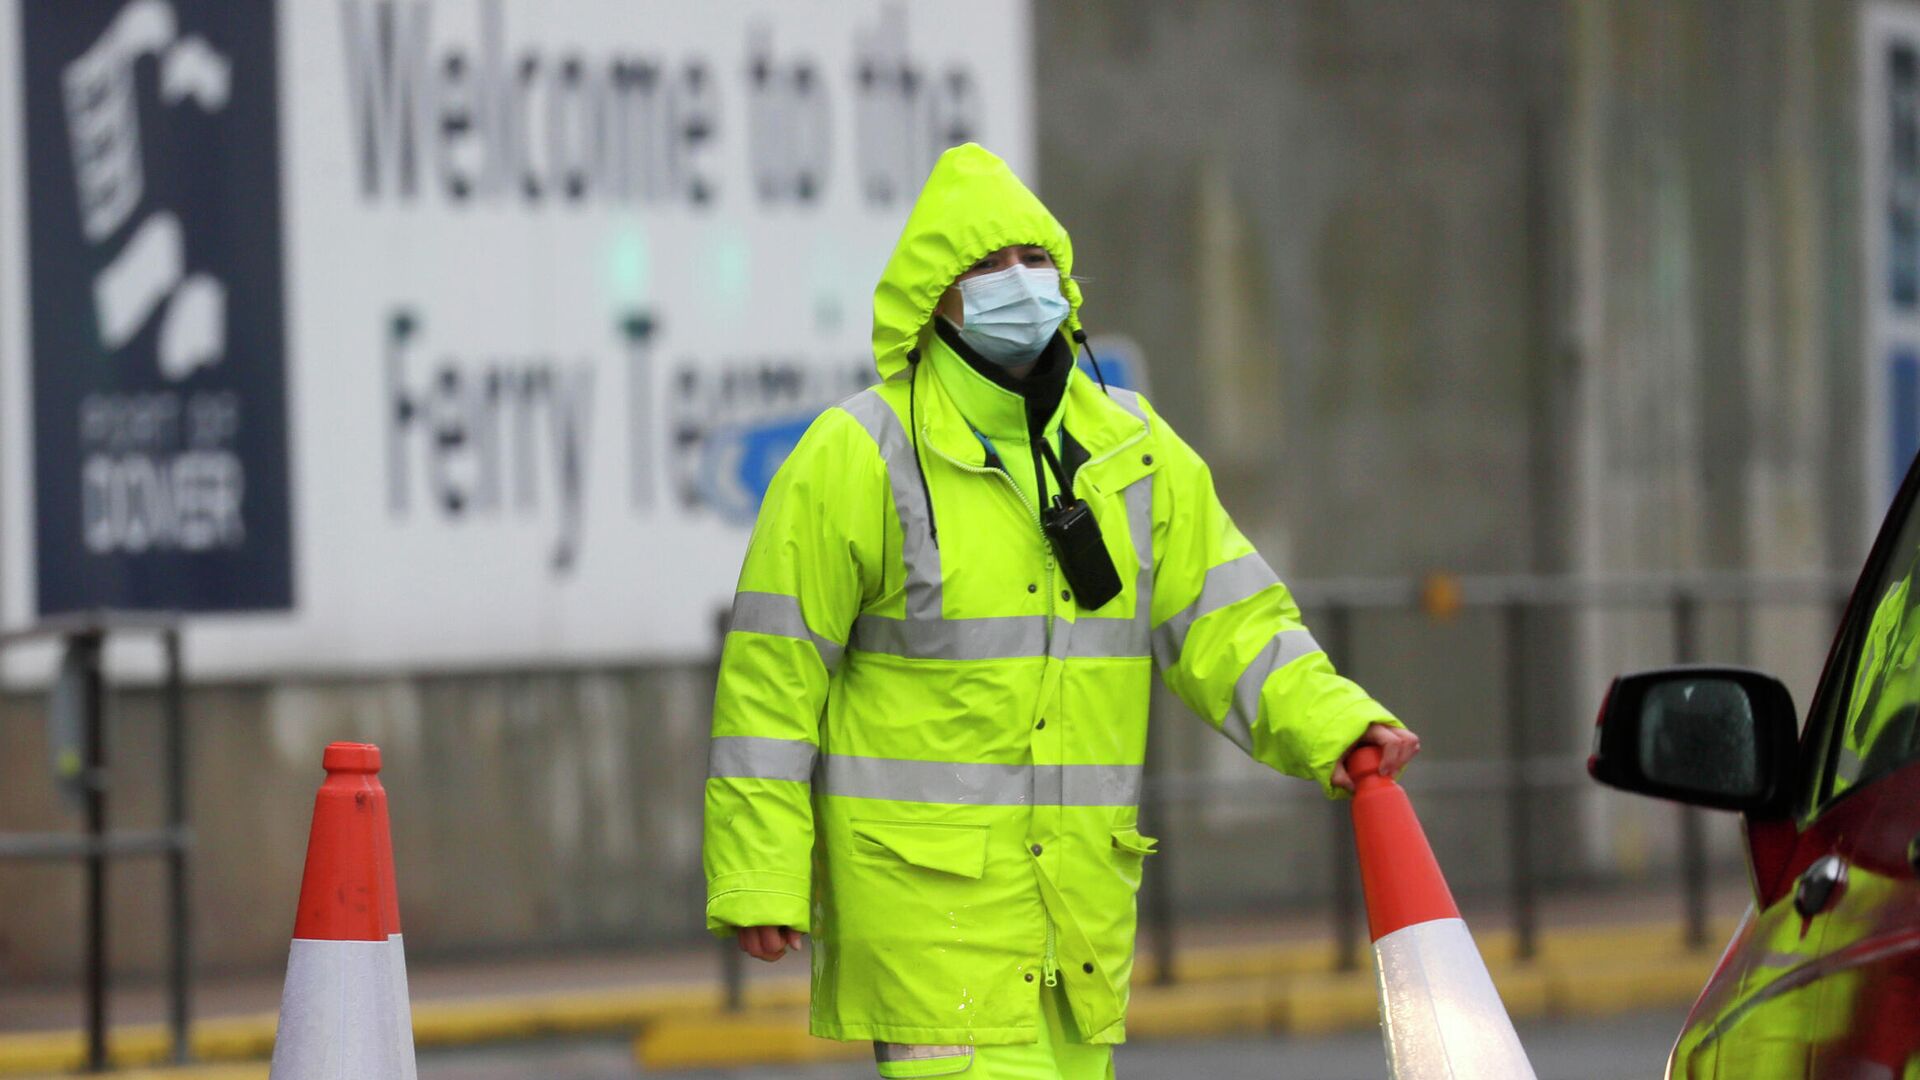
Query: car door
pixel 1820 980
pixel 1869 967
pixel 1760 1018
pixel 1869 776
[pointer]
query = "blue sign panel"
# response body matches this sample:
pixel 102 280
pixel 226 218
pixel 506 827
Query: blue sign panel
pixel 1119 360
pixel 159 374
pixel 1903 401
pixel 738 463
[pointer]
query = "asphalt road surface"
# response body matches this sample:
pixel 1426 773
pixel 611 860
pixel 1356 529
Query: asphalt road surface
pixel 1629 1047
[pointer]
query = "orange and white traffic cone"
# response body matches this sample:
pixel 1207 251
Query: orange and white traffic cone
pixel 344 1013
pixel 1441 1015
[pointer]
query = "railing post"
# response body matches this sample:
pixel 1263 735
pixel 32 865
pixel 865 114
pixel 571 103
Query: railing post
pixel 1743 616
pixel 1693 846
pixel 1693 855
pixel 1340 864
pixel 733 974
pixel 180 955
pixel 94 801
pixel 1346 901
pixel 1519 795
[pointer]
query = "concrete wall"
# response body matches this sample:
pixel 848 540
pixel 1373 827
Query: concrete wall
pixel 1486 287
pixel 1311 216
pixel 1481 286
pixel 529 810
pixel 1713 362
pixel 1329 226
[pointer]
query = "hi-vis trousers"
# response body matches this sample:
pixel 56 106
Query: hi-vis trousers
pixel 1056 1055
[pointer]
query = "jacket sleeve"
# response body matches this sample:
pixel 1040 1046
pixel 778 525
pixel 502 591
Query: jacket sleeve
pixel 1229 640
pixel 800 587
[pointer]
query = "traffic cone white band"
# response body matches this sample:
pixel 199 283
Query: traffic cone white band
pixel 1442 1017
pixel 345 986
pixel 1439 1011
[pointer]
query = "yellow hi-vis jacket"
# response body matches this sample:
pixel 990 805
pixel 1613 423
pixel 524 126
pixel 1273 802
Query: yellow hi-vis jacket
pixel 924 752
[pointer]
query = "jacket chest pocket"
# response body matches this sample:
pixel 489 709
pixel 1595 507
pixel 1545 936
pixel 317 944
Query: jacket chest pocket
pixel 1124 469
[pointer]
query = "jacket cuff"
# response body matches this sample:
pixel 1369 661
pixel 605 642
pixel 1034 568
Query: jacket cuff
pixel 1355 720
pixel 759 898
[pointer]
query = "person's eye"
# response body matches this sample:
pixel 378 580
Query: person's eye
pixel 983 264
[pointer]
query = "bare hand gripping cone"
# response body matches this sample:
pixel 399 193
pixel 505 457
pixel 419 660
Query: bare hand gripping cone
pixel 1442 1018
pixel 344 1014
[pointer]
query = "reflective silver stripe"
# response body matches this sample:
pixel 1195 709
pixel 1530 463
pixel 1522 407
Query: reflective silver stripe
pixel 886 1053
pixel 917 549
pixel 751 758
pixel 1139 497
pixel 779 614
pixel 1086 785
pixel 1009 637
pixel 1228 583
pixel 971 783
pixel 1285 647
pixel 1108 638
pixel 1128 400
pixel 979 783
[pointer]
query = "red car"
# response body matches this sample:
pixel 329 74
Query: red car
pixel 1822 979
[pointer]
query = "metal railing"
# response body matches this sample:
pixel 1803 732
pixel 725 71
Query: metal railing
pixel 85 636
pixel 1518 776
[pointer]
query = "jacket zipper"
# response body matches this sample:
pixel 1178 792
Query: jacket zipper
pixel 1049 965
pixel 984 471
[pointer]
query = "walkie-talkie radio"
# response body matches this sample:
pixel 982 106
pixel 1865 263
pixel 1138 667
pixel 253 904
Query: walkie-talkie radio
pixel 1084 560
pixel 1075 535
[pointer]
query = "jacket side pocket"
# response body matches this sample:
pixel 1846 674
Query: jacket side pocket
pixel 960 850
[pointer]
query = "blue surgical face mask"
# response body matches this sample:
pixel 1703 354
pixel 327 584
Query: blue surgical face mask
pixel 1011 313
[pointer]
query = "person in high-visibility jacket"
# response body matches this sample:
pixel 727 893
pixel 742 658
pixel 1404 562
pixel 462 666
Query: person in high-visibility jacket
pixel 1881 704
pixel 932 705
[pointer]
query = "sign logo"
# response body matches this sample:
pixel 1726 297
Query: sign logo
pixel 159 375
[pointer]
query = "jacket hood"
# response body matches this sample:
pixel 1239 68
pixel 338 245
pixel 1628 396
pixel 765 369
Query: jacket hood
pixel 972 204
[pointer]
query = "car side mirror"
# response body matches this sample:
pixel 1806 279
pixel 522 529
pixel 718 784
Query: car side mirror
pixel 1708 736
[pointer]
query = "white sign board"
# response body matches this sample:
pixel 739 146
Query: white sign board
pixel 562 283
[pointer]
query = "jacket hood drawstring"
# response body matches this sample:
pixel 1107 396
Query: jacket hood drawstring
pixel 913 422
